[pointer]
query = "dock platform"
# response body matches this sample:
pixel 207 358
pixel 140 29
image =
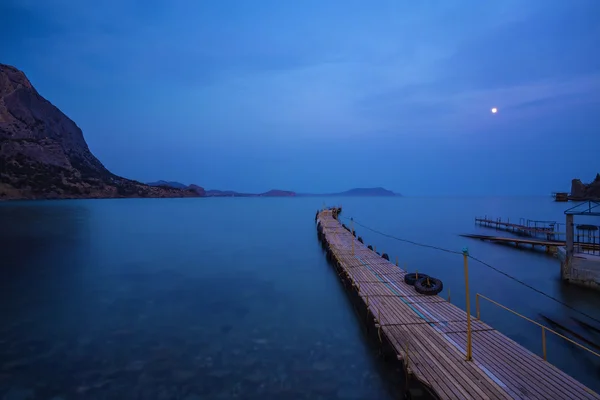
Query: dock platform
pixel 429 334
pixel 550 246
pixel 529 228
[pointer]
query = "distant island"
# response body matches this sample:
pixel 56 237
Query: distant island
pixel 582 192
pixel 221 193
pixel 43 155
pixel 366 192
pixel 372 192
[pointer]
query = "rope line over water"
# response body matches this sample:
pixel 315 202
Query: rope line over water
pixel 477 260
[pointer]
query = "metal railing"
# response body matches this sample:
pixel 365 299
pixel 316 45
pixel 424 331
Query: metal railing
pixel 544 328
pixel 587 239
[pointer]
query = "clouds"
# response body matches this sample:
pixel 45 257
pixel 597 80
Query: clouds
pixel 280 77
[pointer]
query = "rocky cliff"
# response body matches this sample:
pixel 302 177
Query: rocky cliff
pixel 582 191
pixel 43 153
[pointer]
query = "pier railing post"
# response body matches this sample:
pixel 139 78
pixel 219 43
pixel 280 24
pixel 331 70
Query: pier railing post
pixel 352 230
pixel 544 343
pixel 469 342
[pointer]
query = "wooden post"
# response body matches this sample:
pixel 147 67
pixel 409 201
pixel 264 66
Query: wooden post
pixel 352 229
pixel 469 341
pixel 544 343
pixel 570 237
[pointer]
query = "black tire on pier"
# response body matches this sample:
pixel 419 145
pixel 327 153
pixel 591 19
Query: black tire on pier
pixel 370 247
pixel 411 278
pixel 385 256
pixel 360 240
pixel 429 286
pixel 354 233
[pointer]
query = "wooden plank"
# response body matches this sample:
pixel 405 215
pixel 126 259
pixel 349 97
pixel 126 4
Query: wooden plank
pixel 461 326
pixel 518 368
pixel 469 375
pixel 430 356
pixel 392 311
pixel 375 289
pixel 505 345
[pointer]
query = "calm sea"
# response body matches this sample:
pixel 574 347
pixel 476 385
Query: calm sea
pixel 232 297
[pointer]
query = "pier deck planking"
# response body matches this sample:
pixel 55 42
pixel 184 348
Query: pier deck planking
pixel 430 334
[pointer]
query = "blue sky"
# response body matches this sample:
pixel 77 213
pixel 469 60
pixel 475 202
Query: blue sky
pixel 323 95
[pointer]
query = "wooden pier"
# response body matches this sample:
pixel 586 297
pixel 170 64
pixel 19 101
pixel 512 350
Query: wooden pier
pixel 550 246
pixel 523 228
pixel 429 335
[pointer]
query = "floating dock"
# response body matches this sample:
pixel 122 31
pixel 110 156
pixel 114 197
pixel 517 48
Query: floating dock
pixel 429 335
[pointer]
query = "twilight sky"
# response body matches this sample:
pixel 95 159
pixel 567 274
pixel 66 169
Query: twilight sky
pixel 321 96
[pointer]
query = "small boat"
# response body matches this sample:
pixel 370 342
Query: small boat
pixel 560 196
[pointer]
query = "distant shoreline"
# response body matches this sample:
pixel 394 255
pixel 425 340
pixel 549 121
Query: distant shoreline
pixel 9 200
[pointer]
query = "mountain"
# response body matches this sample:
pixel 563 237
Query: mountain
pixel 372 192
pixel 377 191
pixel 175 185
pixel 582 191
pixel 222 193
pixel 198 190
pixel 225 193
pixel 230 193
pixel 43 153
pixel 278 193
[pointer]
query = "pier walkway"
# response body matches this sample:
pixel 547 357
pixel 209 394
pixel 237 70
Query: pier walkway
pixel 524 228
pixel 429 334
pixel 551 246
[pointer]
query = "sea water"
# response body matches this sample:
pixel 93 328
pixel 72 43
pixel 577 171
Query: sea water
pixel 232 297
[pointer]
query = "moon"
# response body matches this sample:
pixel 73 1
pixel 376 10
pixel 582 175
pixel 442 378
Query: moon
pixel 494 110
